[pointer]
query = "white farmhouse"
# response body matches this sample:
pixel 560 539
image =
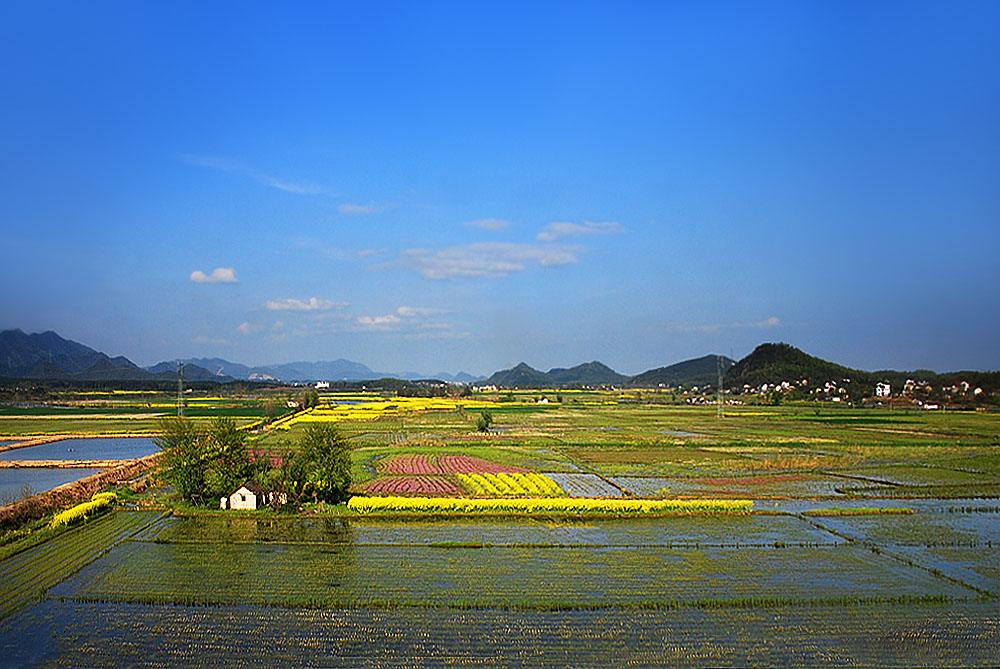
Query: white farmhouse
pixel 883 390
pixel 248 496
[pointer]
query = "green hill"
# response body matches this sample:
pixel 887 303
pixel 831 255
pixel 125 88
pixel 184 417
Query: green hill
pixel 520 376
pixel 775 363
pixel 696 372
pixel 588 374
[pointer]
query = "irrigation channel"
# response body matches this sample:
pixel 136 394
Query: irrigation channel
pixel 780 587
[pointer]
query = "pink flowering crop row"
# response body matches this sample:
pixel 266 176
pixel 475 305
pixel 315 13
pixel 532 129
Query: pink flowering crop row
pixel 413 485
pixel 443 464
pixel 272 459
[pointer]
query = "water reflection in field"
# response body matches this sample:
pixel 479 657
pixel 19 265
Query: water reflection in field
pixel 13 481
pixel 110 448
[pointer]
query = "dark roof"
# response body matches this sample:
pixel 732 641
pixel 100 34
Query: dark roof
pixel 253 487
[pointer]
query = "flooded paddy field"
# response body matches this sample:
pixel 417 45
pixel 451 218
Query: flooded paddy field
pixel 722 530
pixel 329 587
pixel 38 479
pixel 106 448
pixel 42 467
pixel 919 634
pixel 534 577
pixel 686 590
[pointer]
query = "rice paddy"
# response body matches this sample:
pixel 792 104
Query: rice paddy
pixel 683 590
pixel 924 634
pixel 872 543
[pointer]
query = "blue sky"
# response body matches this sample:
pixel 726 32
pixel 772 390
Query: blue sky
pixel 462 186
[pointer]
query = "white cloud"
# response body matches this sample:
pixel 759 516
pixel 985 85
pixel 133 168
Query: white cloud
pixel 771 322
pixel 297 188
pixel 379 322
pixel 485 259
pixel 370 208
pixel 488 224
pixel 405 318
pixel 312 304
pixel 225 165
pixel 560 230
pixel 203 339
pixel 218 275
pixel 438 334
pixel 411 312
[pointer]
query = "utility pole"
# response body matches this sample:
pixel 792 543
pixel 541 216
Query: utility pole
pixel 180 388
pixel 720 410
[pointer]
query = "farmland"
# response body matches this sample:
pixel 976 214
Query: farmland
pixel 679 590
pixel 813 572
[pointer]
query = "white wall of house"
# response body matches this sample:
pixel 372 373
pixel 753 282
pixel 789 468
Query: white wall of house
pixel 243 499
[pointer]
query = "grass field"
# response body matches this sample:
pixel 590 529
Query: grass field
pixel 334 588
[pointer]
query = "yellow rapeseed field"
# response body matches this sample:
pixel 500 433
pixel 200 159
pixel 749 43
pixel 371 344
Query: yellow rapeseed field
pixel 99 502
pixel 568 505
pixel 376 409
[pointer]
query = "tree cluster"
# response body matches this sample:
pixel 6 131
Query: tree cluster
pixel 309 399
pixel 318 470
pixel 207 464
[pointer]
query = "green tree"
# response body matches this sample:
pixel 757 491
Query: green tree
pixel 484 420
pixel 230 466
pixel 186 456
pixel 287 481
pixel 309 399
pixel 326 463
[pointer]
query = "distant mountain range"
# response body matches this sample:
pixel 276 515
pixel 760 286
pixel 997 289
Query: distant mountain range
pixel 335 370
pixel 587 374
pixel 48 356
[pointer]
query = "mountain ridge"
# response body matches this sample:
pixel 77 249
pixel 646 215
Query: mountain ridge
pixel 693 372
pixel 48 356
